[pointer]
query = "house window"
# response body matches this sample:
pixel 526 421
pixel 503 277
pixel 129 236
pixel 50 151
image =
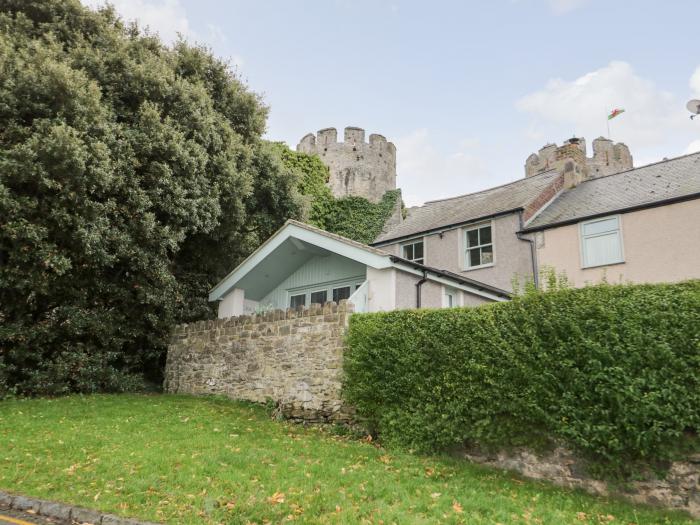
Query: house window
pixel 601 242
pixel 297 300
pixel 341 293
pixel 479 246
pixel 319 297
pixel 413 252
pixel 449 298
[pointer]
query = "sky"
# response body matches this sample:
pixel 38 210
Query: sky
pixel 466 90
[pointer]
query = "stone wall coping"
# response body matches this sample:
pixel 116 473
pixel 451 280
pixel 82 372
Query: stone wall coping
pixel 343 307
pixel 63 511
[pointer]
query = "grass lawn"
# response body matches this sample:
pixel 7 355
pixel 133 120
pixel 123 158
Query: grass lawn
pixel 180 459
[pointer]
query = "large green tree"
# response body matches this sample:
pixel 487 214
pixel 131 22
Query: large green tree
pixel 132 177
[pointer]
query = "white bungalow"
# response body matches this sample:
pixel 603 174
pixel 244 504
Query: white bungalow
pixel 300 265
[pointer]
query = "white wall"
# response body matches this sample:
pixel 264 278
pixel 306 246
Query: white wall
pixel 382 289
pixel 232 304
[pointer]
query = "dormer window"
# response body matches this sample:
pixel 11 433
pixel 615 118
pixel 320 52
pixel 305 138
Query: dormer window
pixel 413 251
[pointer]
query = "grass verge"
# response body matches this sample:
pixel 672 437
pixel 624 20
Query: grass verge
pixel 179 459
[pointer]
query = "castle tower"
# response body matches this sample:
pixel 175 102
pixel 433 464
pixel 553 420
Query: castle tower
pixel 608 158
pixel 359 168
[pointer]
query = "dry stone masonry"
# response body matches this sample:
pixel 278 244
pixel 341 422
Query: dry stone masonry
pixel 679 490
pixel 608 157
pixel 295 359
pixel 291 357
pixel 357 168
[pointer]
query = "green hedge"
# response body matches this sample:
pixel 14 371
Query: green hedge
pixel 613 372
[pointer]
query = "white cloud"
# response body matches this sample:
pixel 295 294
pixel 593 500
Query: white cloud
pixel 564 6
pixel 653 119
pixel 424 173
pixel 165 17
pixel 693 147
pixel 695 82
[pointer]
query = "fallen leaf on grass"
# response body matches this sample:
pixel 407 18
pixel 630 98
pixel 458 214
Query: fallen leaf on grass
pixel 457 508
pixel 436 495
pixel 277 497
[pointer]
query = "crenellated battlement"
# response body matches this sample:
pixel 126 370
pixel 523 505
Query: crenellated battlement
pixel 364 169
pixel 608 157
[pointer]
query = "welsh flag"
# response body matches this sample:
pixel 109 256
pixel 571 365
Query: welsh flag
pixel 615 112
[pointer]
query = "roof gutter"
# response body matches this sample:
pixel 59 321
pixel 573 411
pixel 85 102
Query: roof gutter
pixel 419 284
pixel 629 209
pixel 533 253
pixel 445 228
pixel 454 278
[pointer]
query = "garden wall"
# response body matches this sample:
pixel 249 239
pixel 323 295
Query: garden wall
pixel 291 357
pixel 678 488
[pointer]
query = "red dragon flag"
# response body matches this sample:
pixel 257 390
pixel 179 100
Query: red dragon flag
pixel 615 112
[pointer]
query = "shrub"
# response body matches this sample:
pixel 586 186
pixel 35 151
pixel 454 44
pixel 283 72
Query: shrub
pixel 133 177
pixel 610 371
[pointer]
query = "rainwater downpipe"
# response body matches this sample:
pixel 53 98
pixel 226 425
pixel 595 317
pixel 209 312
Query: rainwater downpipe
pixel 533 255
pixel 418 287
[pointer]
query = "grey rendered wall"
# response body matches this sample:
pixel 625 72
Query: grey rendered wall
pixel 431 293
pixel 512 256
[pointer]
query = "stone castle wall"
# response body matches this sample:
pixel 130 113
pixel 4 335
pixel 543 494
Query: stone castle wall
pixel 292 357
pixel 359 168
pixel 608 157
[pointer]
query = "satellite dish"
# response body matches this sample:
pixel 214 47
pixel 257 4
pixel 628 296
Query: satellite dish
pixel 694 107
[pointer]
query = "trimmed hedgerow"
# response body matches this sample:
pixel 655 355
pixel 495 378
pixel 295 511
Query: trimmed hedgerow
pixel 612 372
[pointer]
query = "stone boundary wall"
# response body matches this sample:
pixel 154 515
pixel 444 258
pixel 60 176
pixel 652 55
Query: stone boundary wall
pixel 679 490
pixel 295 358
pixel 291 357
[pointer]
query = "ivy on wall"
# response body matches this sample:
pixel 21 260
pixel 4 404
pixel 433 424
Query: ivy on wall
pixel 353 217
pixel 359 219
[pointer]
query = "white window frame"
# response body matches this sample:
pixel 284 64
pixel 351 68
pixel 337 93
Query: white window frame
pixel 456 297
pixel 320 290
pixel 289 300
pixel 583 237
pixel 464 247
pixel 348 286
pixel 327 287
pixel 419 240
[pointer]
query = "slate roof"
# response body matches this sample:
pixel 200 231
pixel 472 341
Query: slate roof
pixel 435 215
pixel 649 185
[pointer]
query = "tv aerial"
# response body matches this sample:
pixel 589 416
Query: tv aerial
pixel 694 107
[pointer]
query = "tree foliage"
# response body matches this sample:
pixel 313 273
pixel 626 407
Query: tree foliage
pixel 312 175
pixel 610 371
pixel 132 177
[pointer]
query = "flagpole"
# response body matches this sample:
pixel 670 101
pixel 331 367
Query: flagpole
pixel 608 122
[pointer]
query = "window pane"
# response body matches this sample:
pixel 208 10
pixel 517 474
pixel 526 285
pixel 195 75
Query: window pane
pixel 341 293
pixel 485 235
pixel 319 297
pixel 297 300
pixel 418 250
pixel 602 249
pixel 473 238
pixel 474 257
pixel 408 252
pixel 487 255
pixel 602 226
